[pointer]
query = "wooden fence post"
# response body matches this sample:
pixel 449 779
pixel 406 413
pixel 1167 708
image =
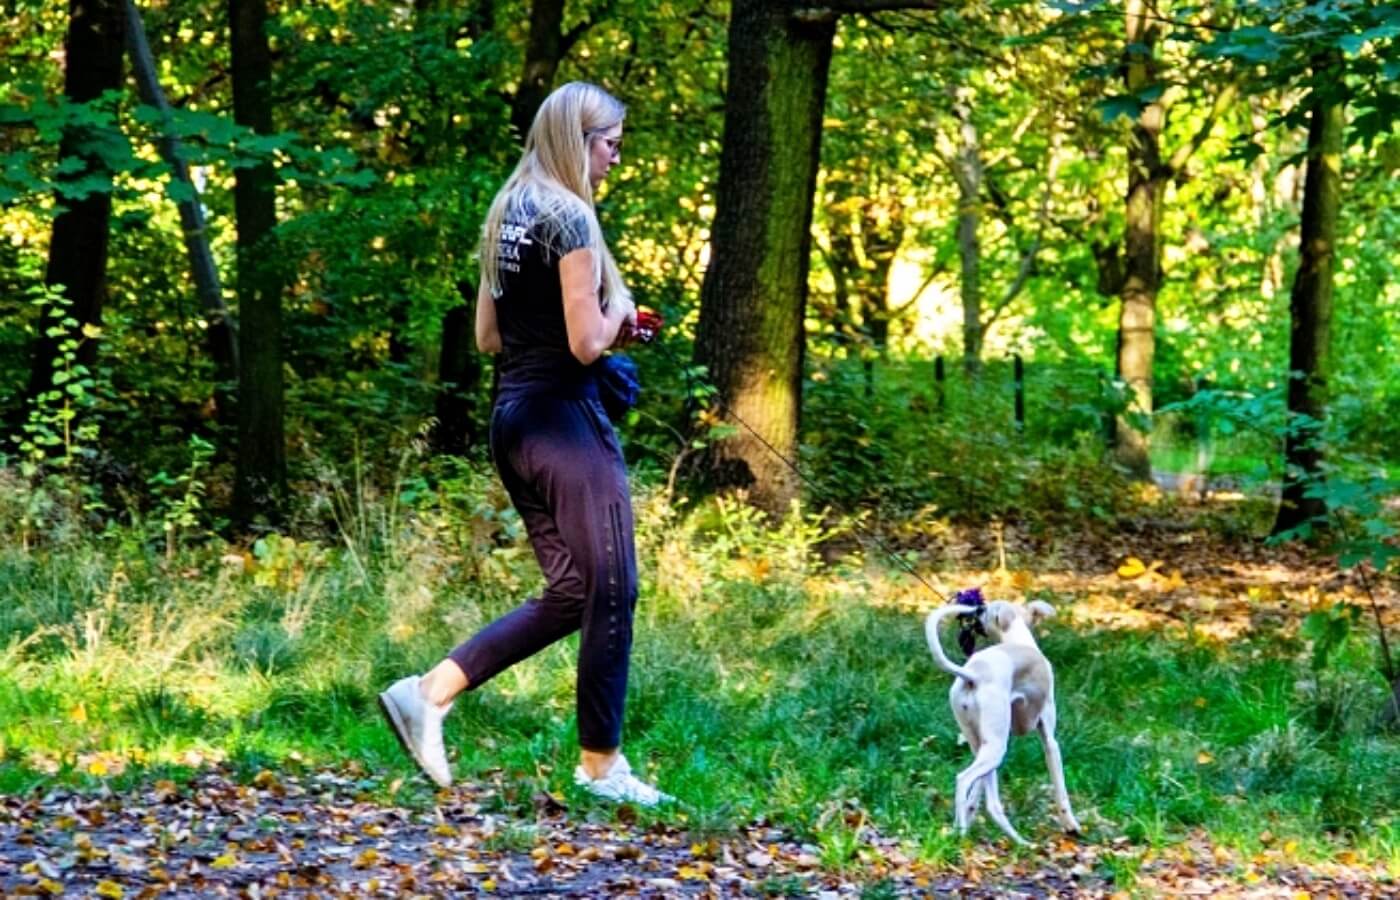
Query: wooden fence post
pixel 938 375
pixel 1019 375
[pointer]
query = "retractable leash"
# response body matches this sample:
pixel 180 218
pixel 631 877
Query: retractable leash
pixel 969 624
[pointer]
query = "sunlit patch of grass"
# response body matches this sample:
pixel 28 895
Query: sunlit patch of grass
pixel 766 686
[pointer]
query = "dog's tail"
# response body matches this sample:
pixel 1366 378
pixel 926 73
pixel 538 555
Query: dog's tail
pixel 935 646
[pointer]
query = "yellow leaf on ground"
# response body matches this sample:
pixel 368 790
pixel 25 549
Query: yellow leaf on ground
pixel 109 889
pixel 1132 567
pixel 367 859
pixel 49 886
pixel 1204 758
pixel 226 861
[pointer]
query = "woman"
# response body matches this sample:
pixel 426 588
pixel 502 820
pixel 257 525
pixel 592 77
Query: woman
pixel 551 302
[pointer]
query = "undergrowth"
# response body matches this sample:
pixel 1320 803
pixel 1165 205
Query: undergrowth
pixel 769 681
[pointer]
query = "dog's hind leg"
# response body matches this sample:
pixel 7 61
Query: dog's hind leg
pixel 1046 727
pixel 971 781
pixel 997 811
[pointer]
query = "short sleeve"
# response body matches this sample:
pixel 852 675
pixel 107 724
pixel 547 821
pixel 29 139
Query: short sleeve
pixel 574 234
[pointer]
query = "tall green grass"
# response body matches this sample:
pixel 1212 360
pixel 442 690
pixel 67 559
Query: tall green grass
pixel 766 684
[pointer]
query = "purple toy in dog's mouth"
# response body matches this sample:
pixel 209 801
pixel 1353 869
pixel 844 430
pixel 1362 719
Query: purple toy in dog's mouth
pixel 970 623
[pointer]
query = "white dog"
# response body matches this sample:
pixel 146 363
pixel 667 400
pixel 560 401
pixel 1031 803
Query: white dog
pixel 1004 689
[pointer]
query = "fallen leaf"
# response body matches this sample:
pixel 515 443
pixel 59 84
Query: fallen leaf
pixel 1132 567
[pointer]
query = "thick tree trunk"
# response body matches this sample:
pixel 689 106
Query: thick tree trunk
pixel 967 171
pixel 261 482
pixel 1142 253
pixel 755 291
pixel 459 377
pixel 78 249
pixel 222 333
pixel 544 48
pixel 1310 311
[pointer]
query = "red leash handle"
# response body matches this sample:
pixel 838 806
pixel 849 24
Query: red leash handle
pixel 647 327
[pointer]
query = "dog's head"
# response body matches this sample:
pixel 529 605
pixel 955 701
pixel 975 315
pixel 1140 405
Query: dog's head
pixel 1002 616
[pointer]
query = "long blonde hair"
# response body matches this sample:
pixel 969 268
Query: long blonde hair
pixel 550 185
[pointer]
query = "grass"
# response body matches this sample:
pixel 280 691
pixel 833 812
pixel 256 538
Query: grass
pixel 765 686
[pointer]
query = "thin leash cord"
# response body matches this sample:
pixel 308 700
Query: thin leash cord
pixel 802 476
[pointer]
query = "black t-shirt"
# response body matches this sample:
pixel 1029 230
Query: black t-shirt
pixel 535 352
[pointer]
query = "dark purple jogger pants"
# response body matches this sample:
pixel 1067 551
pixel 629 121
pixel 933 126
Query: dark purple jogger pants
pixel 564 471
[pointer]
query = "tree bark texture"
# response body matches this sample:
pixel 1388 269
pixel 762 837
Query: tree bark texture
pixel 459 377
pixel 1310 311
pixel 221 335
pixel 750 335
pixel 78 247
pixel 1142 249
pixel 967 171
pixel 260 485
pixel 544 48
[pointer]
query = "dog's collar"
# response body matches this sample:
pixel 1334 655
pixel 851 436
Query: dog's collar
pixel 970 623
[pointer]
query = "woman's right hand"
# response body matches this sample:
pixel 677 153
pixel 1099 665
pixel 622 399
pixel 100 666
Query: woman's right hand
pixel 628 324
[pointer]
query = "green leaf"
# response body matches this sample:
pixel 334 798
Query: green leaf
pixel 1120 106
pixel 180 191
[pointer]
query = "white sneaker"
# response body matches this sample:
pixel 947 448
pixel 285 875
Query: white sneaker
pixel 621 785
pixel 418 726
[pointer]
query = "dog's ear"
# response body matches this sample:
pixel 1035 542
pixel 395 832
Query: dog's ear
pixel 1039 611
pixel 1003 616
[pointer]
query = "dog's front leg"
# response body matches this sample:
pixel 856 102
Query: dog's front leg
pixel 1046 727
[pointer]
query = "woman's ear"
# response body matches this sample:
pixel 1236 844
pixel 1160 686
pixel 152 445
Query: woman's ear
pixel 1039 611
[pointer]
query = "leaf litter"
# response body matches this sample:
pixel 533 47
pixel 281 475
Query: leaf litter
pixel 323 833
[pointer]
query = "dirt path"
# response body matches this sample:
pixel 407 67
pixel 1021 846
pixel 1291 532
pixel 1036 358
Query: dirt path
pixel 317 834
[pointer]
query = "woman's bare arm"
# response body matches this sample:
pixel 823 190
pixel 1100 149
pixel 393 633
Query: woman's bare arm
pixel 591 331
pixel 488 334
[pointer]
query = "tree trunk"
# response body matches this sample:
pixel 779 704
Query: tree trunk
pixel 1142 252
pixel 222 333
pixel 755 290
pixel 967 171
pixel 459 377
pixel 78 249
pixel 261 482
pixel 544 48
pixel 1310 309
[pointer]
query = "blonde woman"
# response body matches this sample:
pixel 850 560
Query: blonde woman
pixel 551 302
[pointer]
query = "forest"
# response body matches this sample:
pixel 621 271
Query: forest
pixel 1087 302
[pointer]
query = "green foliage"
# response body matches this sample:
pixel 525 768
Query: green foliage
pixel 1329 630
pixel 897 452
pixel 57 443
pixel 754 689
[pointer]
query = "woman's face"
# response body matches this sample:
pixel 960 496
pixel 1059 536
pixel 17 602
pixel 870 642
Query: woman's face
pixel 604 152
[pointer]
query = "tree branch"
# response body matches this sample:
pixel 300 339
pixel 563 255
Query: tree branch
pixel 820 12
pixel 1027 265
pixel 1183 154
